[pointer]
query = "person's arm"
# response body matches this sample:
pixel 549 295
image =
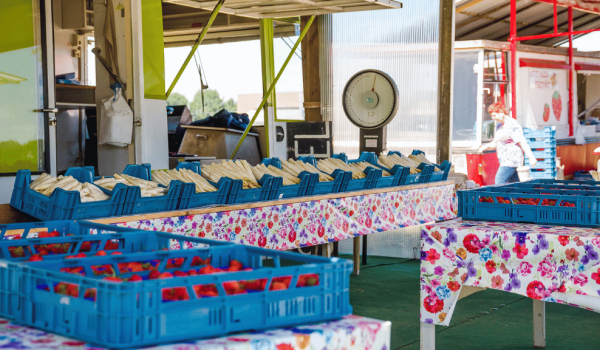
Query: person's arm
pixel 528 152
pixel 491 145
pixel 518 136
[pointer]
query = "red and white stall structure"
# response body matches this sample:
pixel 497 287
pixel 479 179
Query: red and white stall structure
pixel 553 86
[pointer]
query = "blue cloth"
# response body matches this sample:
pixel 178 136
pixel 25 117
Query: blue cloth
pixel 506 175
pixel 225 119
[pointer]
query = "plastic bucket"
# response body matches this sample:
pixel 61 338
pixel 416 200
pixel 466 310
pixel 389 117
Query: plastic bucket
pixel 523 172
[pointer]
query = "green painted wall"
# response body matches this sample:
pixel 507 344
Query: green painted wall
pixel 154 50
pixel 16 25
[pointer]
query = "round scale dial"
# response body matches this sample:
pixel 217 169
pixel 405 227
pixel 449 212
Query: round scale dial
pixel 370 99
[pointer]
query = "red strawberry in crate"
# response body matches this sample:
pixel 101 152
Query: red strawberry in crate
pixel 135 278
pixel 546 115
pixel 36 257
pixel 153 275
pixel 180 274
pixel 100 253
pixel 557 105
pixel 112 279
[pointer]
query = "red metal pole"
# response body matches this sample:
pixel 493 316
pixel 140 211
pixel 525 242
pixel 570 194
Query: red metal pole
pixel 545 36
pixel 513 57
pixel 572 64
pixel 555 19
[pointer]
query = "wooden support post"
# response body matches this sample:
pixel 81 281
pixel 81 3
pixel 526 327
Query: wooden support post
pixel 445 81
pixel 310 72
pixel 539 324
pixel 427 336
pixel 356 256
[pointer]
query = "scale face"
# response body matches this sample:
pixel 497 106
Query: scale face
pixel 370 99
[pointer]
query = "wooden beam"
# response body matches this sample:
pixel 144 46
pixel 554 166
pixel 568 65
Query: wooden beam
pixel 445 81
pixel 310 71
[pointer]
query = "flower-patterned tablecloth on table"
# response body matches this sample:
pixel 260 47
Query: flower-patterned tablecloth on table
pixel 549 263
pixel 349 333
pixel 310 223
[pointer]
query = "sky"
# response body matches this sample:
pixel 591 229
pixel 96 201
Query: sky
pixel 232 68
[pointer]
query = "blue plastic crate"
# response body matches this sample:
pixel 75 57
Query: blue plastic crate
pixel 544 154
pixel 549 163
pixel 74 237
pixel 307 182
pixel 438 175
pixel 549 131
pixel 369 182
pixel 398 175
pixel 61 204
pixel 132 315
pixel 542 144
pixel 191 199
pixel 326 187
pixel 239 195
pixel 585 213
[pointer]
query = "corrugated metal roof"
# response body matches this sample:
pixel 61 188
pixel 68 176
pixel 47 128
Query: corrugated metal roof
pixel 490 20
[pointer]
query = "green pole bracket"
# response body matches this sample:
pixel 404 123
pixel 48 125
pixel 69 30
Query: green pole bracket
pixel 268 72
pixel 272 87
pixel 212 18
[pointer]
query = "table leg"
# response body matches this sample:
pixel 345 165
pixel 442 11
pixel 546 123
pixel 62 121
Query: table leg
pixel 427 336
pixel 539 324
pixel 326 250
pixel 356 255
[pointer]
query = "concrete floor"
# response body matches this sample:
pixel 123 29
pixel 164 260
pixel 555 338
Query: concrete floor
pixel 388 289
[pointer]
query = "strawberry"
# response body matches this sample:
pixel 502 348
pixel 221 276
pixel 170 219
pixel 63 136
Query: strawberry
pixel 278 286
pixel 135 278
pixel 100 253
pixel 116 253
pixel 165 275
pixel 237 264
pixel 208 290
pixel 233 268
pixel 153 275
pixel 180 274
pixel 36 257
pixel 206 270
pixel 192 273
pixel 85 247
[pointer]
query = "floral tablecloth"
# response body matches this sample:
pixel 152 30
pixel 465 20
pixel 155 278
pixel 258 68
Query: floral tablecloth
pixel 310 223
pixel 549 263
pixel 350 333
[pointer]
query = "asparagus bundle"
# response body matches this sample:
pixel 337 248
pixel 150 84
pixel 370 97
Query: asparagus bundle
pixel 164 177
pixel 295 167
pixel 148 188
pixel 595 175
pixel 361 166
pixel 261 170
pixel 239 170
pixel 330 164
pixel 420 158
pixel 46 184
pixel 393 159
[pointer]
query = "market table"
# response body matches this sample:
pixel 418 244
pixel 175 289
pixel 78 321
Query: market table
pixel 556 264
pixel 352 332
pixel 307 221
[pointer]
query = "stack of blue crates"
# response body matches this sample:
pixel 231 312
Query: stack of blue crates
pixel 543 145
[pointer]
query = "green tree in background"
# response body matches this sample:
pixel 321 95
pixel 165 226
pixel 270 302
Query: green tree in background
pixel 212 104
pixel 177 99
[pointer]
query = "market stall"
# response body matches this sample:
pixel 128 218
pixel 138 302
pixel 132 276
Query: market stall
pixel 542 86
pixel 304 222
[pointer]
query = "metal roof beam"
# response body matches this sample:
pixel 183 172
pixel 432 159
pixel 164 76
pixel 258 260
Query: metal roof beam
pixel 498 20
pixel 485 14
pixel 579 27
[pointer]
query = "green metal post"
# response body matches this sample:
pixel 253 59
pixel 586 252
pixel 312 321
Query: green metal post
pixel 272 87
pixel 212 18
pixel 268 72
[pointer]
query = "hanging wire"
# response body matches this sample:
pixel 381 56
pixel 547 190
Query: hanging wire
pixel 200 69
